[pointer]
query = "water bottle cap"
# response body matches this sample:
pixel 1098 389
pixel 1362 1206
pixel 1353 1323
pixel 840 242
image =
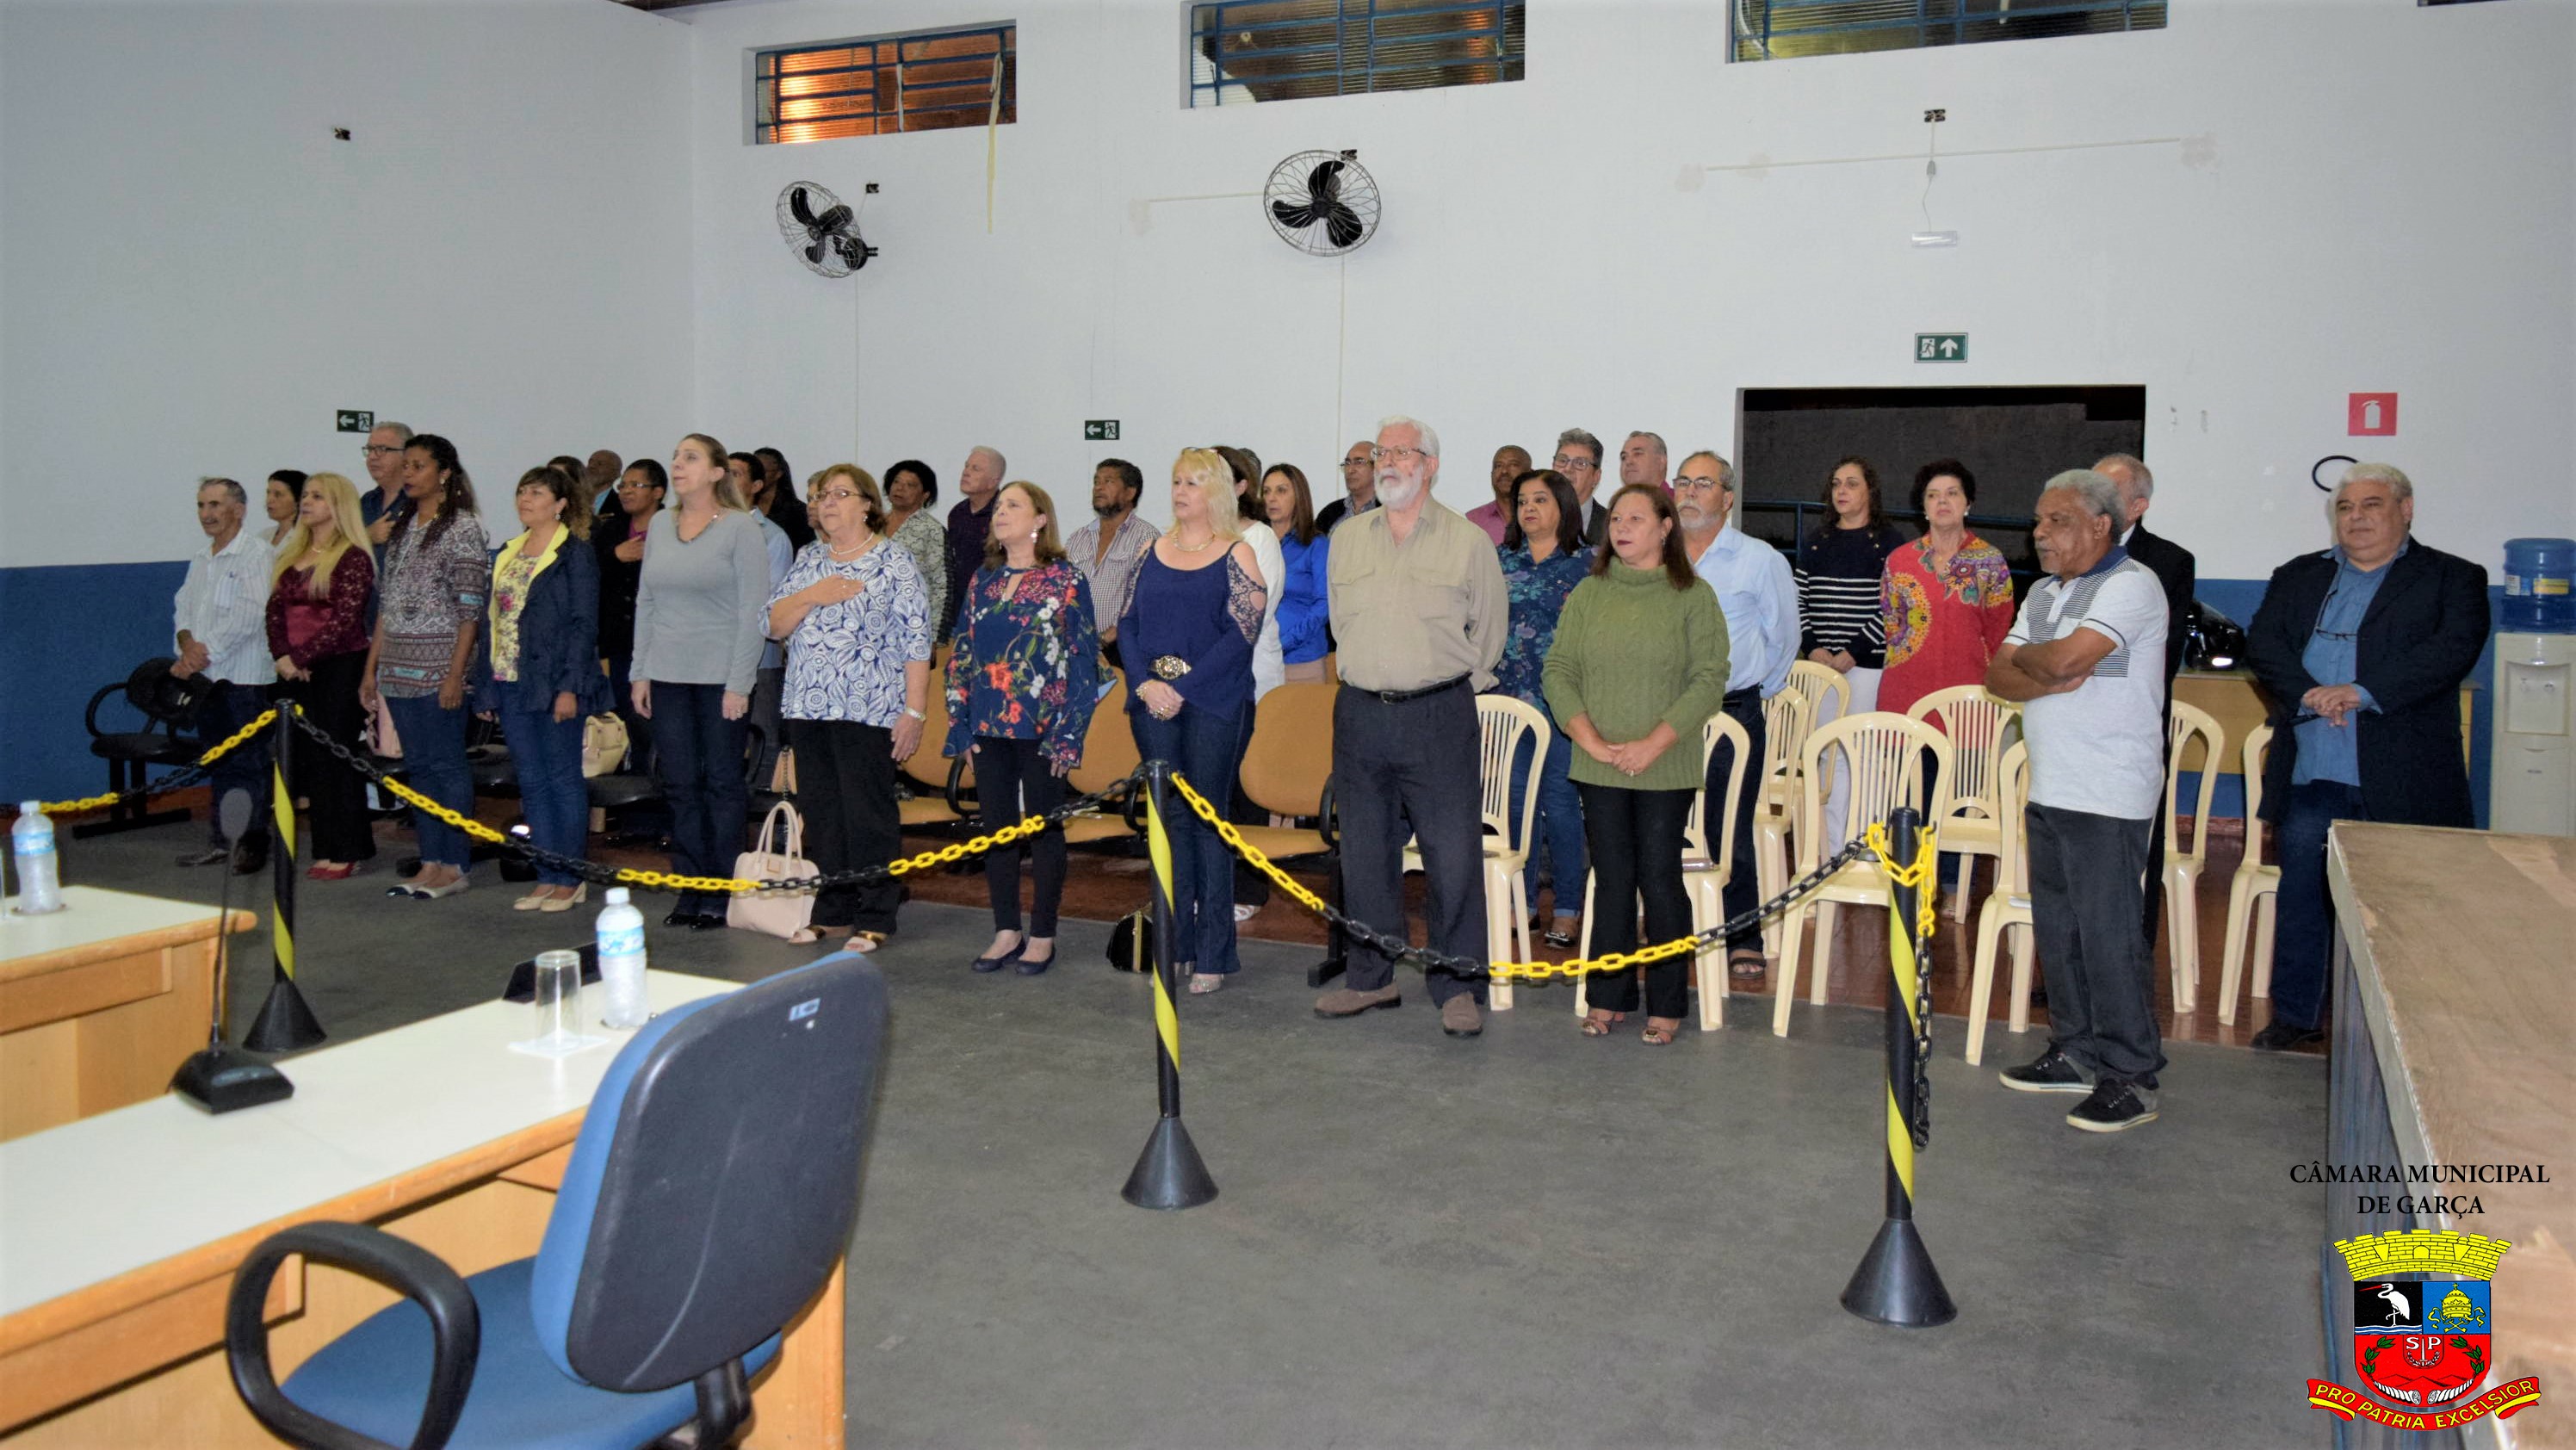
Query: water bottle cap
pixel 617 896
pixel 31 808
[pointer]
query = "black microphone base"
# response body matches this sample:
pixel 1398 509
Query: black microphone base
pixel 221 1079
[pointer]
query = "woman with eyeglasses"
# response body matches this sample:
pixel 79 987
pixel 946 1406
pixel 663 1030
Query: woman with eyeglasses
pixel 284 501
pixel 1021 684
pixel 1192 621
pixel 1945 600
pixel 322 579
pixel 430 596
pixel 698 611
pixel 911 487
pixel 546 680
pixel 856 622
pixel 1544 559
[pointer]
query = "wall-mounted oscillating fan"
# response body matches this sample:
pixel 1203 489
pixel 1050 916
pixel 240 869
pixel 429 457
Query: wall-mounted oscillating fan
pixel 821 230
pixel 1321 202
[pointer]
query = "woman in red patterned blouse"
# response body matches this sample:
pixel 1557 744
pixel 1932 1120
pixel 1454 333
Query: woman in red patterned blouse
pixel 317 628
pixel 1022 682
pixel 1946 598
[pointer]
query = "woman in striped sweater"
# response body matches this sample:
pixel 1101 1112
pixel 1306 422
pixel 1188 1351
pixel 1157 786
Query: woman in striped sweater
pixel 1840 568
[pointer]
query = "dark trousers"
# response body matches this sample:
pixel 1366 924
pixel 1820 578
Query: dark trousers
pixel 338 794
pixel 1202 746
pixel 545 753
pixel 1743 892
pixel 1013 780
pixel 2085 889
pixel 433 741
pixel 768 690
pixel 1411 768
pixel 701 765
pixel 2303 938
pixel 227 708
pixel 1635 837
pixel 639 731
pixel 845 787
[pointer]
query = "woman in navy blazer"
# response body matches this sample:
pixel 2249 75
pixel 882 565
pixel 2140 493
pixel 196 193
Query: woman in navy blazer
pixel 545 673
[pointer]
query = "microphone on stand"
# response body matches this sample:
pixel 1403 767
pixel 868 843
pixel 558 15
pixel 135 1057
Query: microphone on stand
pixel 223 1078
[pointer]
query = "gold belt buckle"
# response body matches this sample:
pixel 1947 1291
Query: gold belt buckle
pixel 1170 667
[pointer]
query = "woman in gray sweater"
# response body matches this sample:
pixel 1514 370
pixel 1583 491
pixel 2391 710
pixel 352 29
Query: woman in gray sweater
pixel 698 606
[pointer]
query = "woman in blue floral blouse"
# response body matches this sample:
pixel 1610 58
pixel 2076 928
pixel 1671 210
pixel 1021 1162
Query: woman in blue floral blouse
pixel 856 620
pixel 1544 557
pixel 1021 684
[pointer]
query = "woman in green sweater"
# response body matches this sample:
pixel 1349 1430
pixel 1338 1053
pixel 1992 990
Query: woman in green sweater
pixel 1638 666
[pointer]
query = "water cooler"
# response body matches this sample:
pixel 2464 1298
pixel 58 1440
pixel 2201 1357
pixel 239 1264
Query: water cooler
pixel 2533 785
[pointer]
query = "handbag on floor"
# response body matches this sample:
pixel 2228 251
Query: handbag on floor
pixel 1131 941
pixel 775 913
pixel 603 746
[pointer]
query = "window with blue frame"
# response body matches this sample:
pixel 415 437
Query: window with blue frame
pixel 927 81
pixel 1287 50
pixel 1781 29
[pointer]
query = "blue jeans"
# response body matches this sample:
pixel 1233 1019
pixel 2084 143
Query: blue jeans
pixel 546 752
pixel 699 754
pixel 1202 746
pixel 433 742
pixel 2303 939
pixel 1560 824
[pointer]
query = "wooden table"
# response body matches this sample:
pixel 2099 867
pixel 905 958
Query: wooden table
pixel 2455 1010
pixel 119 1234
pixel 100 1002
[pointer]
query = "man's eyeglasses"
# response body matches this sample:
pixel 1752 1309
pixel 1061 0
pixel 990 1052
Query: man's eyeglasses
pixel 1391 455
pixel 371 450
pixel 1565 463
pixel 1687 480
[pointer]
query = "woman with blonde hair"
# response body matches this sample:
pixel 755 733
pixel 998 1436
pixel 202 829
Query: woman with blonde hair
pixel 546 680
pixel 698 608
pixel 1187 637
pixel 317 628
pixel 1021 684
pixel 856 621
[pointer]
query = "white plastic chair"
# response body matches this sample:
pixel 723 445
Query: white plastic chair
pixel 1973 721
pixel 2182 868
pixel 1787 717
pixel 1706 868
pixel 1885 754
pixel 2254 891
pixel 2006 912
pixel 1503 724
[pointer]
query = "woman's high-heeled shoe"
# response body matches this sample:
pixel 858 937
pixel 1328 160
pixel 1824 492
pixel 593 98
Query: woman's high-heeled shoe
pixel 579 895
pixel 532 901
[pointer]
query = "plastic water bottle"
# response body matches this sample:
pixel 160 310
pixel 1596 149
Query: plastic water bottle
pixel 621 960
pixel 31 841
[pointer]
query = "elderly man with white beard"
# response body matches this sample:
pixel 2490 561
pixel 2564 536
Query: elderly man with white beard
pixel 1420 610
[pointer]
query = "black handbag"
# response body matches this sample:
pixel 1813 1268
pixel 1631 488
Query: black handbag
pixel 1131 941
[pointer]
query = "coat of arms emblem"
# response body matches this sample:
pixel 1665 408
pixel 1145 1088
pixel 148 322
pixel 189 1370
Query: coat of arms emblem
pixel 2422 1345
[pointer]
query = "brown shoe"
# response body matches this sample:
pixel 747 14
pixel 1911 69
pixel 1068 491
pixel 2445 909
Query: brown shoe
pixel 1461 1017
pixel 1346 1002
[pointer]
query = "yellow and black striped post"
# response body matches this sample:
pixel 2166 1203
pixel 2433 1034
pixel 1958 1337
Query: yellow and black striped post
pixel 1896 1282
pixel 285 1023
pixel 1169 1173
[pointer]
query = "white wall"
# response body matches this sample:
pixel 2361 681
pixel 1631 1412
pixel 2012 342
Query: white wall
pixel 2370 196
pixel 194 275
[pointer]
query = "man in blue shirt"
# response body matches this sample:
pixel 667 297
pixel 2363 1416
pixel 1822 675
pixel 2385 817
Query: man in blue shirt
pixel 2362 650
pixel 1759 597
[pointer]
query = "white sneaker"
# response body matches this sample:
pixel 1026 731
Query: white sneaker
pixel 1243 914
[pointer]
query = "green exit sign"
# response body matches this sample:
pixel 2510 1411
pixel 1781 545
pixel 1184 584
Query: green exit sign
pixel 357 420
pixel 1100 430
pixel 1940 347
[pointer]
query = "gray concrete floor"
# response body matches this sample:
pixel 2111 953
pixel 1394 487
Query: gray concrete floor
pixel 1532 1239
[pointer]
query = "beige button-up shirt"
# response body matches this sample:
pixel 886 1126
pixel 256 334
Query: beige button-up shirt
pixel 1413 614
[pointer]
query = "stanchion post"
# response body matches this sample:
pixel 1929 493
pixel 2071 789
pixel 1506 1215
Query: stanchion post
pixel 1896 1282
pixel 285 1023
pixel 1169 1173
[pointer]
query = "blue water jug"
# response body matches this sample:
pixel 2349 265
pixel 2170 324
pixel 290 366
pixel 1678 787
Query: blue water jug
pixel 2536 576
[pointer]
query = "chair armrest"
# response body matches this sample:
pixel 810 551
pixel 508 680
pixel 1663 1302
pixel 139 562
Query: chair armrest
pixel 89 717
pixel 1328 819
pixel 456 1329
pixel 956 788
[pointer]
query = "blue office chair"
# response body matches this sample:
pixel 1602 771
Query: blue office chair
pixel 712 1189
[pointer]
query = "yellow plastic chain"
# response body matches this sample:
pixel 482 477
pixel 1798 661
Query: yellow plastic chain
pixel 102 802
pixel 1927 856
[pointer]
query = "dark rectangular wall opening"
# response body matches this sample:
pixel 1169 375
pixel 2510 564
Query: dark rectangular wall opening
pixel 2012 439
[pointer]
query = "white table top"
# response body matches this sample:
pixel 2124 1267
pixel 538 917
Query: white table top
pixel 93 914
pixel 90 1200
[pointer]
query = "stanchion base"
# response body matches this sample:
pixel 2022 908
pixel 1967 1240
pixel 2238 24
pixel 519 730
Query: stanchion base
pixel 284 1024
pixel 1169 1173
pixel 1323 971
pixel 1896 1283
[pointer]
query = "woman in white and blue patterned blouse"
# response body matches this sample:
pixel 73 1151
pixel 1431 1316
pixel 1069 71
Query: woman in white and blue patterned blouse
pixel 856 619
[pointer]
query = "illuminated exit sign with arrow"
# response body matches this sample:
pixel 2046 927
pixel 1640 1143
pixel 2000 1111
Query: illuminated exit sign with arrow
pixel 1940 347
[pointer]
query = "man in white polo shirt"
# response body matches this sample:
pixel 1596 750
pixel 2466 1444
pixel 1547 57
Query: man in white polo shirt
pixel 2087 656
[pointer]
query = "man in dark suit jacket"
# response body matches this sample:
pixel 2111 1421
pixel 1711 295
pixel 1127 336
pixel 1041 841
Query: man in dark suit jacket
pixel 2362 650
pixel 2179 572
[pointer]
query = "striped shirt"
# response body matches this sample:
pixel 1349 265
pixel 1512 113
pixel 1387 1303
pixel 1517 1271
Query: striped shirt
pixel 1113 578
pixel 1838 592
pixel 223 605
